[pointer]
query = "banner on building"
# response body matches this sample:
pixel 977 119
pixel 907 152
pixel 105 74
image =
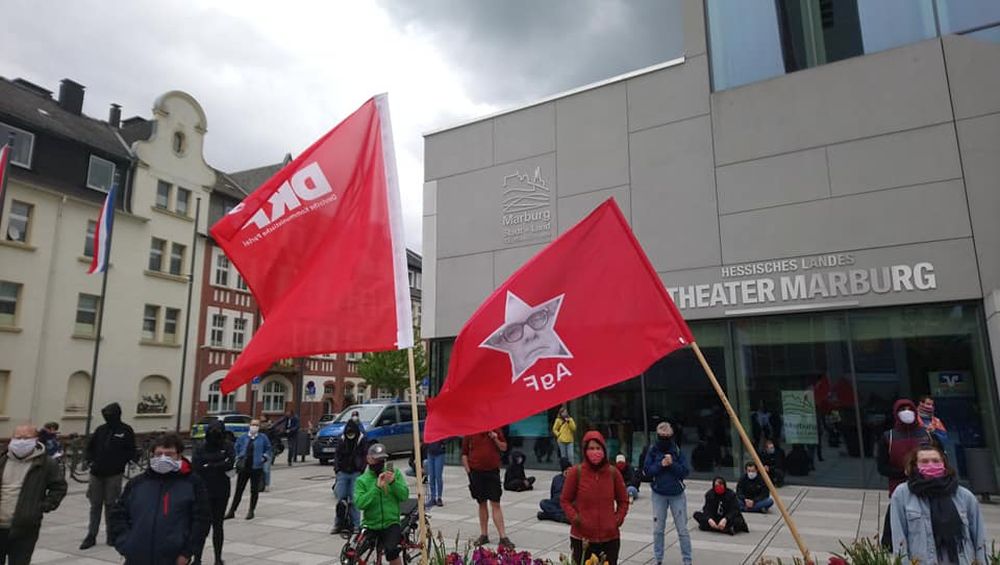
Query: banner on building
pixel 798 413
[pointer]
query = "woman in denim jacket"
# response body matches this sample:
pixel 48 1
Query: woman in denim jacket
pixel 253 450
pixel 934 520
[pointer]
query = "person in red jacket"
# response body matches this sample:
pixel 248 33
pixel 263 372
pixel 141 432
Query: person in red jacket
pixel 595 501
pixel 895 447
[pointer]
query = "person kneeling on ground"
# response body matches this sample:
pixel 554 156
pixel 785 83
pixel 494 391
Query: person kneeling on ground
pixel 752 491
pixel 514 479
pixel 377 494
pixel 722 511
pixel 630 475
pixel 551 509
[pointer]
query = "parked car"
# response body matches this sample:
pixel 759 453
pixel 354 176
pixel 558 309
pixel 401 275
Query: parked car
pixel 389 423
pixel 234 424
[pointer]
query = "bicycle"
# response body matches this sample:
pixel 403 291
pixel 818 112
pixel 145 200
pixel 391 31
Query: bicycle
pixel 364 548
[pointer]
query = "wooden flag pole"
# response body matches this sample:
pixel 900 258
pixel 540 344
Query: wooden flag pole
pixel 417 459
pixel 753 452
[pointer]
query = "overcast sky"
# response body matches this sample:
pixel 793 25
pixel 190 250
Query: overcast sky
pixel 272 78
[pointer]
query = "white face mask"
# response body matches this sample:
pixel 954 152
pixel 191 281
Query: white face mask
pixel 21 448
pixel 907 416
pixel 752 475
pixel 163 464
pixel 254 430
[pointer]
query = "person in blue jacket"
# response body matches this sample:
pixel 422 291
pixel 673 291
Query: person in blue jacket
pixel 162 516
pixel 666 465
pixel 253 450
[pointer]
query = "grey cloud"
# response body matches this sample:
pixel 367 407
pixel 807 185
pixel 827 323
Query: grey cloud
pixel 514 51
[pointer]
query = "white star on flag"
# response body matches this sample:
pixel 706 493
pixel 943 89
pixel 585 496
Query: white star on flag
pixel 528 334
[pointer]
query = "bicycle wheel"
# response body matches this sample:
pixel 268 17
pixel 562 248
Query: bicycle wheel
pixel 410 542
pixel 80 470
pixel 360 551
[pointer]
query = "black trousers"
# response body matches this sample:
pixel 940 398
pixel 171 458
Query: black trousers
pixel 293 447
pixel 610 550
pixel 887 530
pixel 256 479
pixel 17 550
pixel 218 508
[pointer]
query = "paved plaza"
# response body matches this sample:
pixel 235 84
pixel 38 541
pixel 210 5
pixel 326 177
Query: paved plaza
pixel 294 517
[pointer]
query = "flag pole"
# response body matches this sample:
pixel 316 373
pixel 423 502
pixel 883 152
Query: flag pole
pixel 417 460
pixel 753 453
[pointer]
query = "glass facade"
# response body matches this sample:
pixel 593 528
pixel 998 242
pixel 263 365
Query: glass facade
pixel 754 40
pixel 820 385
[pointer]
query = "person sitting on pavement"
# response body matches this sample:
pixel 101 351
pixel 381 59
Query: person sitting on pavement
pixel 551 508
pixel 752 491
pixel 630 475
pixel 773 459
pixel 377 494
pixel 721 512
pixel 163 515
pixel 514 478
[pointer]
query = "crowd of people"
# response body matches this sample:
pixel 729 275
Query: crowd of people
pixel 164 515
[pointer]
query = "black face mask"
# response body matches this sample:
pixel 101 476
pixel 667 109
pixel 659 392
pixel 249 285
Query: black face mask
pixel 377 468
pixel 213 437
pixel 663 441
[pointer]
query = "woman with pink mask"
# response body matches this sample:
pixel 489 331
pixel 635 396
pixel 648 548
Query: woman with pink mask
pixel 934 519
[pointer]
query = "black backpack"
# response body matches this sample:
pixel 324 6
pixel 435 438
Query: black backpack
pixel 343 516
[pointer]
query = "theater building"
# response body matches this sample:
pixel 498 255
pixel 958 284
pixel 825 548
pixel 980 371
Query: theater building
pixel 818 190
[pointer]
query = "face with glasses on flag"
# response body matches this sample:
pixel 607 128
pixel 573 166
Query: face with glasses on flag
pixel 528 334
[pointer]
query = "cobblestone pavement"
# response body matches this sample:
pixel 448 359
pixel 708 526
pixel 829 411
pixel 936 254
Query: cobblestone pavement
pixel 294 518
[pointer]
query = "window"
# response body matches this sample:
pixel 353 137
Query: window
pixel 274 397
pixel 179 143
pixel 19 221
pixel 170 320
pixel 9 295
pixel 163 195
pixel 154 392
pixel 156 249
pixel 88 242
pixel 86 314
pixel 24 144
pixel 219 403
pixel 218 334
pixel 405 413
pixel 361 394
pixel 388 417
pixel 221 269
pixel 962 15
pixel 240 283
pixel 77 393
pixel 239 332
pixel 100 174
pixel 150 317
pixel 183 201
pixel 176 258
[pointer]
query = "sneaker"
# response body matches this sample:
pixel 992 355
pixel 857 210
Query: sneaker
pixel 541 515
pixel 88 542
pixel 250 515
pixel 229 515
pixel 439 502
pixel 505 542
pixel 482 540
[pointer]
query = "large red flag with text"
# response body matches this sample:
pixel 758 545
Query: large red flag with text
pixel 320 245
pixel 586 312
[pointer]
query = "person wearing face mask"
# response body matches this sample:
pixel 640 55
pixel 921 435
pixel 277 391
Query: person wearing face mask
pixel 595 501
pixel 515 479
pixel 378 494
pixel 894 447
pixel 253 450
pixel 721 512
pixel 630 476
pixel 929 422
pixel 110 448
pixel 667 466
pixel 32 484
pixel 163 515
pixel 752 491
pixel 213 461
pixel 773 459
pixel 348 462
pixel 564 428
pixel 934 519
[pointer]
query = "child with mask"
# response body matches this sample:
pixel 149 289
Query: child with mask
pixel 163 515
pixel 894 447
pixel 253 450
pixel 666 465
pixel 752 491
pixel 514 479
pixel 721 512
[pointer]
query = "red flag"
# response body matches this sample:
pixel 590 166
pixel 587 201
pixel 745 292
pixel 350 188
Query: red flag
pixel 586 312
pixel 320 245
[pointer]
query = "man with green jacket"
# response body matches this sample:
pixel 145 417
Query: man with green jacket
pixel 377 493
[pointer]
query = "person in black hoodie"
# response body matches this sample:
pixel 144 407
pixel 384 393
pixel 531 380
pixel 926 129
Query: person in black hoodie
pixel 514 479
pixel 752 491
pixel 110 448
pixel 721 512
pixel 349 461
pixel 551 508
pixel 213 462
pixel 773 458
pixel 163 515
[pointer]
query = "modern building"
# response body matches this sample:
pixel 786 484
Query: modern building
pixel 817 184
pixel 62 167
